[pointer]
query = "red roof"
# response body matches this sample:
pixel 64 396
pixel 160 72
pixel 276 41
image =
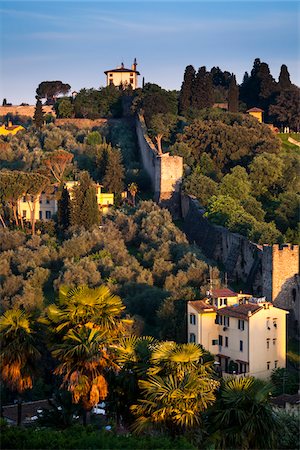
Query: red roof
pixel 201 306
pixel 240 311
pixel 255 110
pixel 223 293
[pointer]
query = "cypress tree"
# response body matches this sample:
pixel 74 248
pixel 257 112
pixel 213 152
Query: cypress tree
pixel 90 208
pixel 202 90
pixel 113 180
pixel 38 117
pixel 233 95
pixel 85 210
pixel 186 92
pixel 198 99
pixel 64 210
pixel 284 78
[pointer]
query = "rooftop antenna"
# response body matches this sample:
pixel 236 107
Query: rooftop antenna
pixel 210 281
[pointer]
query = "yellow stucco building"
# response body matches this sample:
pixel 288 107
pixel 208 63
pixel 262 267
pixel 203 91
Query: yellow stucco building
pixel 123 76
pixel 247 335
pixel 46 206
pixel 10 129
pixel 257 113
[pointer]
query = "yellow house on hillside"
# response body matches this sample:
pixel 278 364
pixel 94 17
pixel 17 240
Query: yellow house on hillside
pixel 46 206
pixel 122 76
pixel 246 335
pixel 10 129
pixel 257 113
pixel 104 200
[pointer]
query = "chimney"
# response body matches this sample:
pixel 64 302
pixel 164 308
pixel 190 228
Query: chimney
pixel 133 67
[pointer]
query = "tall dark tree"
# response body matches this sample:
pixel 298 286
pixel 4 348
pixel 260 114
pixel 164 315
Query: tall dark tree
pixel 203 90
pixel 286 110
pixel 233 95
pixel 113 180
pixel 267 86
pixel 85 210
pixel 284 78
pixel 64 210
pixel 250 88
pixel 38 117
pixel 185 96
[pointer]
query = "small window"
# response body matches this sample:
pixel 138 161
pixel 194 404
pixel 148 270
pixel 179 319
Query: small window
pixel 220 340
pixel 221 320
pixel 268 344
pixel 214 342
pixel 221 301
pixel 48 202
pixel 110 75
pixel 241 346
pixel 268 365
pixel 226 321
pixel 48 214
pixel 226 341
pixel 275 323
pixel 192 337
pixel 41 215
pixel 274 341
pixel 241 325
pixel 40 201
pixel 24 214
pixel 131 80
pixel 225 301
pixel 131 74
pixel 217 319
pixel 275 364
pixel 192 319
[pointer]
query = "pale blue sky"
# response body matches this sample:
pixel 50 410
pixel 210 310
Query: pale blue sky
pixel 75 41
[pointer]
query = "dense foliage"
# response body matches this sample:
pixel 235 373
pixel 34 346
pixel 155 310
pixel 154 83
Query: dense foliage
pixel 241 175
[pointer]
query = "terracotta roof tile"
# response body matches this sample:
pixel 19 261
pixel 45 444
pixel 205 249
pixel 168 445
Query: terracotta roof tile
pixel 201 306
pixel 239 311
pixel 223 292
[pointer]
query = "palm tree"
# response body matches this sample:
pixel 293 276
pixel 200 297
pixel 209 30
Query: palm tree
pixel 84 324
pixel 132 355
pixel 80 306
pixel 82 358
pixel 179 387
pixel 178 359
pixel 18 352
pixel 133 189
pixel 243 417
pixel 172 403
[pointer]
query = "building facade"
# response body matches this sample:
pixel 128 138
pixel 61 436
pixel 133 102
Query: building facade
pixel 46 206
pixel 245 334
pixel 120 76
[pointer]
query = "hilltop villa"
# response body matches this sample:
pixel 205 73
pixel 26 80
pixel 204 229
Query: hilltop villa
pixel 123 76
